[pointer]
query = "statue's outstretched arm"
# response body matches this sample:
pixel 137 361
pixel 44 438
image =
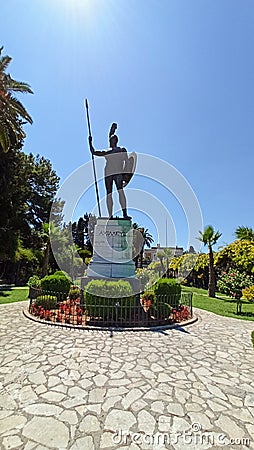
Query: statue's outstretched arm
pixel 92 149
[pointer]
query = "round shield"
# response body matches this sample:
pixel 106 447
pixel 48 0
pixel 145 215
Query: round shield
pixel 129 168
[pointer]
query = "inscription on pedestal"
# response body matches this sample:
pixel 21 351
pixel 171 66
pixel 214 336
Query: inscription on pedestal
pixel 112 252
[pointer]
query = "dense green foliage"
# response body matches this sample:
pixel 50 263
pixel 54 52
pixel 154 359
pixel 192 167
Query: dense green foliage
pixel 46 301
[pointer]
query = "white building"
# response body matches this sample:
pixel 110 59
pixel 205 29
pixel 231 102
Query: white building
pixel 151 253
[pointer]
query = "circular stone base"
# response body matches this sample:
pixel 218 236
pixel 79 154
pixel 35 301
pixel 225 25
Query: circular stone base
pixel 87 327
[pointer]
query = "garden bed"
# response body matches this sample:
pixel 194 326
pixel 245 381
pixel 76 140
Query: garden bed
pixel 80 313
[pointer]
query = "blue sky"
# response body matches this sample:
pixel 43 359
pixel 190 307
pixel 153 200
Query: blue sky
pixel 177 76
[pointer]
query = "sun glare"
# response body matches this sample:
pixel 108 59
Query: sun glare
pixel 75 7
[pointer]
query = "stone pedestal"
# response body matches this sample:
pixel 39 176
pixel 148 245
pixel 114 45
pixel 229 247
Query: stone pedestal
pixel 112 249
pixel 112 252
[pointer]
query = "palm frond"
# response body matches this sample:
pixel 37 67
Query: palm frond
pixel 18 109
pixel 18 86
pixel 4 62
pixel 244 232
pixel 209 236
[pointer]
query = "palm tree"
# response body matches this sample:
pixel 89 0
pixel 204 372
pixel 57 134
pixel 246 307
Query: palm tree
pixel 13 115
pixel 244 233
pixel 147 239
pixel 209 237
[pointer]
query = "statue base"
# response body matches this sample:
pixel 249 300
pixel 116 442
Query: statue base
pixel 112 252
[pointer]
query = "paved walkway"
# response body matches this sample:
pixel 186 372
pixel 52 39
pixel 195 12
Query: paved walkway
pixel 191 388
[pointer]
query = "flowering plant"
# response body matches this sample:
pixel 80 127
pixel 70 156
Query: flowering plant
pixel 233 282
pixel 181 313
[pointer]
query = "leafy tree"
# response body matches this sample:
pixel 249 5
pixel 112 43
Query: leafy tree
pixel 209 237
pixel 12 113
pixel 238 255
pixel 244 233
pixel 27 187
pixel 43 183
pixel 201 271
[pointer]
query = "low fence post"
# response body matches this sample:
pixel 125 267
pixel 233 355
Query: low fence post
pixel 191 295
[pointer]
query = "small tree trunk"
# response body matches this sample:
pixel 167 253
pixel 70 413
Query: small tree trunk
pixel 141 257
pixel 45 261
pixel 211 283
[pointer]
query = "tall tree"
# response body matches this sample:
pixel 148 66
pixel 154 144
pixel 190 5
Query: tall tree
pixel 244 233
pixel 27 188
pixel 209 237
pixel 13 115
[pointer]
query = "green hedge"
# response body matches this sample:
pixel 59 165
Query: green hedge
pixel 101 298
pixel 167 295
pixel 57 283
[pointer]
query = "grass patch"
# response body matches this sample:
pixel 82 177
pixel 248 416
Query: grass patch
pixel 221 305
pixel 13 294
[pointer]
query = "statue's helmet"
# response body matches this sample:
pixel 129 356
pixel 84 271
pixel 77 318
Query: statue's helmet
pixel 113 140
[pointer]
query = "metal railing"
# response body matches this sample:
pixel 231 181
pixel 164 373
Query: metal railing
pixel 127 312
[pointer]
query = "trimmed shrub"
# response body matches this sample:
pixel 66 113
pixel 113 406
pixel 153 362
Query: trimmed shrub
pixel 46 301
pixel 34 281
pixel 74 292
pixel 34 284
pixel 60 273
pixel 56 283
pixel 107 298
pixel 167 291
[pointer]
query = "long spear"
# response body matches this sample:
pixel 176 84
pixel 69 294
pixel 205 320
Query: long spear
pixel 94 171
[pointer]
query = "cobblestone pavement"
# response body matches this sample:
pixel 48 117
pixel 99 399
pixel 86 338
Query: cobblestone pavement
pixel 70 389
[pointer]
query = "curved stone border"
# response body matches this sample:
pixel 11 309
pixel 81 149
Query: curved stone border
pixel 81 327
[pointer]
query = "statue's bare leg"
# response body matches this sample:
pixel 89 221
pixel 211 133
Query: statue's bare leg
pixel 122 198
pixel 109 187
pixel 110 204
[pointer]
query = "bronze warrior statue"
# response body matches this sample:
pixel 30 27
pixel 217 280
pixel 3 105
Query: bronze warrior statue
pixel 118 169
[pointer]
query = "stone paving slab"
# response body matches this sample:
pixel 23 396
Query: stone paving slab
pixel 189 388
